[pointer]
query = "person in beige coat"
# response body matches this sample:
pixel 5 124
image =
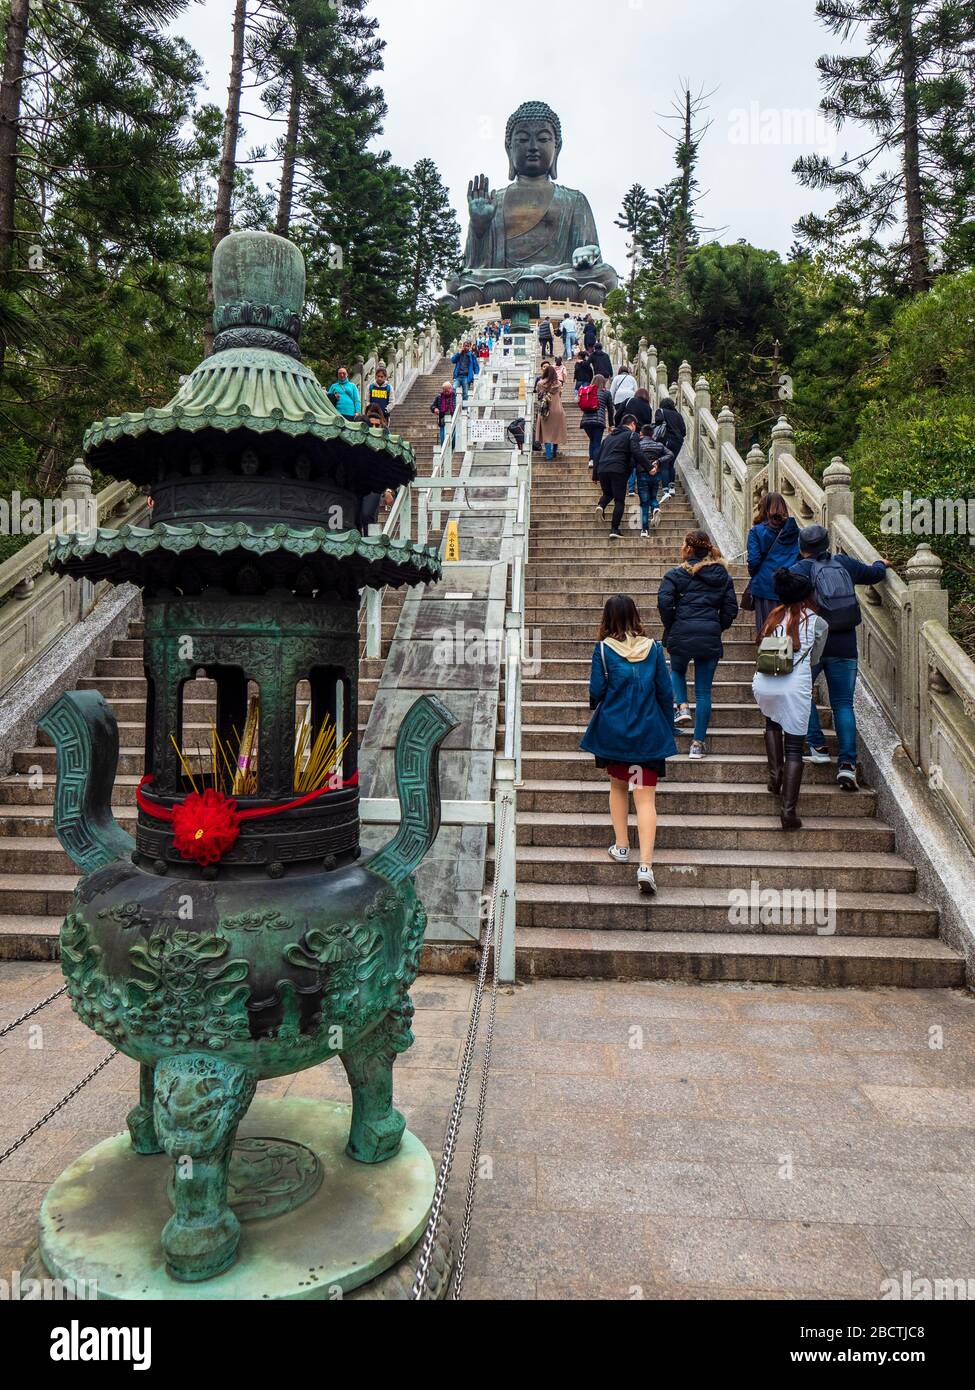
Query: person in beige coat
pixel 552 428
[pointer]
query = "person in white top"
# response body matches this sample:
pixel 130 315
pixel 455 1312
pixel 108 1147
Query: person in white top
pixel 570 334
pixel 785 700
pixel 623 387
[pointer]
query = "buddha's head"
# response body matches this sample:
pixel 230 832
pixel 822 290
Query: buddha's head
pixel 534 142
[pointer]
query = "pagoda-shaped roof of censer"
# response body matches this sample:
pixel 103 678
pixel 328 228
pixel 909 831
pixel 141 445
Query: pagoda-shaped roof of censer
pixel 256 478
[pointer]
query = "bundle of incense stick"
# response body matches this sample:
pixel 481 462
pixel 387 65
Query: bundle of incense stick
pixel 317 760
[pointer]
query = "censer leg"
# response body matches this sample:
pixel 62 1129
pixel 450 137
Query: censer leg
pixel 142 1125
pixel 199 1102
pixel 377 1128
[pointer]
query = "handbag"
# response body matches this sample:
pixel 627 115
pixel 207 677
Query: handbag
pixel 776 657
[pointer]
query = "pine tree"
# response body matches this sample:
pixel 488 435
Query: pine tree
pixel 102 235
pixel 434 248
pixel 634 220
pixel 911 89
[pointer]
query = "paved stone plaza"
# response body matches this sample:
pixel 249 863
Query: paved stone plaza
pixel 678 1141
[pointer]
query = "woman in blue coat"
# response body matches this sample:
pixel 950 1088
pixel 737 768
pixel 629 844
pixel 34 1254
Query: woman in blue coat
pixel 631 733
pixel 773 544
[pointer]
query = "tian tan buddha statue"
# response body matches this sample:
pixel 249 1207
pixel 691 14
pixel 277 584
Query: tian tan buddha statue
pixel 534 239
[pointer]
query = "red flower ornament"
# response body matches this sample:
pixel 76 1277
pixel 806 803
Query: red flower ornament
pixel 205 826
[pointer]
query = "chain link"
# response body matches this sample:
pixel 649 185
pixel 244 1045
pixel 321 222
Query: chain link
pixel 9 1027
pixel 460 1097
pixel 60 1106
pixel 472 1176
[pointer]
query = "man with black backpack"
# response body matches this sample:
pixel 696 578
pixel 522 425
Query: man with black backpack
pixel 834 579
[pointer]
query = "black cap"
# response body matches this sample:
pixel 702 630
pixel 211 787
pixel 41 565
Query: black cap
pixel 814 539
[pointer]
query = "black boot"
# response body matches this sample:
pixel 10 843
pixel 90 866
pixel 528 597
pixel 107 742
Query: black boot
pixel 791 787
pixel 775 752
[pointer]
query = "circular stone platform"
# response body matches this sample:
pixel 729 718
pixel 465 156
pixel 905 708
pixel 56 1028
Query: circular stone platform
pixel 101 1220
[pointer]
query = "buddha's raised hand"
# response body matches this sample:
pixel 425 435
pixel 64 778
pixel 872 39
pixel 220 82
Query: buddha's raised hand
pixel 479 199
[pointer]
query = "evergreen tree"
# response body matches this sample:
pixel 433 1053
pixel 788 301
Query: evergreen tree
pixel 634 220
pixel 434 248
pixel 102 235
pixel 911 89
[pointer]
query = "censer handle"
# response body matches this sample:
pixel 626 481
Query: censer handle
pixel 84 731
pixel 418 786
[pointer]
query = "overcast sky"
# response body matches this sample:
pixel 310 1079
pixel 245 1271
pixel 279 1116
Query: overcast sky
pixel 456 71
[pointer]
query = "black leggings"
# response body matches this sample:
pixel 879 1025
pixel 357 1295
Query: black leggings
pixel 794 743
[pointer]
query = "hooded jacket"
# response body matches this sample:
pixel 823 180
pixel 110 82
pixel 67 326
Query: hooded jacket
pixel 769 550
pixel 601 364
pixel 697 604
pixel 669 415
pixel 633 699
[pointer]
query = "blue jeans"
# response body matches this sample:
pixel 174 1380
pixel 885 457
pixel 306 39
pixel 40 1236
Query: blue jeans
pixel 570 344
pixel 595 434
pixel 647 488
pixel 841 680
pixel 464 385
pixel 551 451
pixel 703 681
pixel 631 483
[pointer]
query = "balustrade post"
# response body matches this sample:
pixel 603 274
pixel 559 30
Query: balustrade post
pixel 652 371
pixel 839 494
pixel 926 600
pixel 754 464
pixel 662 386
pixel 685 377
pixel 702 401
pixel 726 433
pixel 81 514
pixel 642 380
pixel 783 442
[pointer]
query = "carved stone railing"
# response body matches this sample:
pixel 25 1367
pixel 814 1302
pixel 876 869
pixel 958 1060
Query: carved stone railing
pixel 36 606
pixel 413 355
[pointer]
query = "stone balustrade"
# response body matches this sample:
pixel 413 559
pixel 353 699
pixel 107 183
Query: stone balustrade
pixel 919 675
pixel 413 355
pixel 36 606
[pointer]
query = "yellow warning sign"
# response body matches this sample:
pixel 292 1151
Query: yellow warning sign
pixel 522 389
pixel 452 556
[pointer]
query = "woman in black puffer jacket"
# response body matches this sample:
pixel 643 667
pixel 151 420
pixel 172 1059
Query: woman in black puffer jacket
pixel 697 603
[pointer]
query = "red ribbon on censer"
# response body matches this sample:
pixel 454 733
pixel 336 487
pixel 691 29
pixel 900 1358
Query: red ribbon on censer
pixel 206 825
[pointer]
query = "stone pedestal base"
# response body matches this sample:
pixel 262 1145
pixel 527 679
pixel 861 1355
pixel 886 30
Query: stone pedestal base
pixel 315 1224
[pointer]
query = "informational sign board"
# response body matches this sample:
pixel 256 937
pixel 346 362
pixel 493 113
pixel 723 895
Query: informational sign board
pixel 485 431
pixel 452 557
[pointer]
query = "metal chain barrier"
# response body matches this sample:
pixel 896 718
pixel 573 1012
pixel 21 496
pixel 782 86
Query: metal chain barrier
pixel 481 1107
pixel 9 1028
pixel 460 1097
pixel 59 1106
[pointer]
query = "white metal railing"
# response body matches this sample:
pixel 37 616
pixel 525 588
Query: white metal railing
pixel 507 390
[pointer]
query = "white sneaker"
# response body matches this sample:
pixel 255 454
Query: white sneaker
pixel 683 715
pixel 698 751
pixel 645 880
pixel 644 535
pixel 819 755
pixel 847 779
pixel 622 856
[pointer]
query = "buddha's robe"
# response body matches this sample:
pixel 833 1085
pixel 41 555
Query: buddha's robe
pixel 545 248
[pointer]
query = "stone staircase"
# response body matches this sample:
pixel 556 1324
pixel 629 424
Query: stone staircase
pixel 36 877
pixel 579 914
